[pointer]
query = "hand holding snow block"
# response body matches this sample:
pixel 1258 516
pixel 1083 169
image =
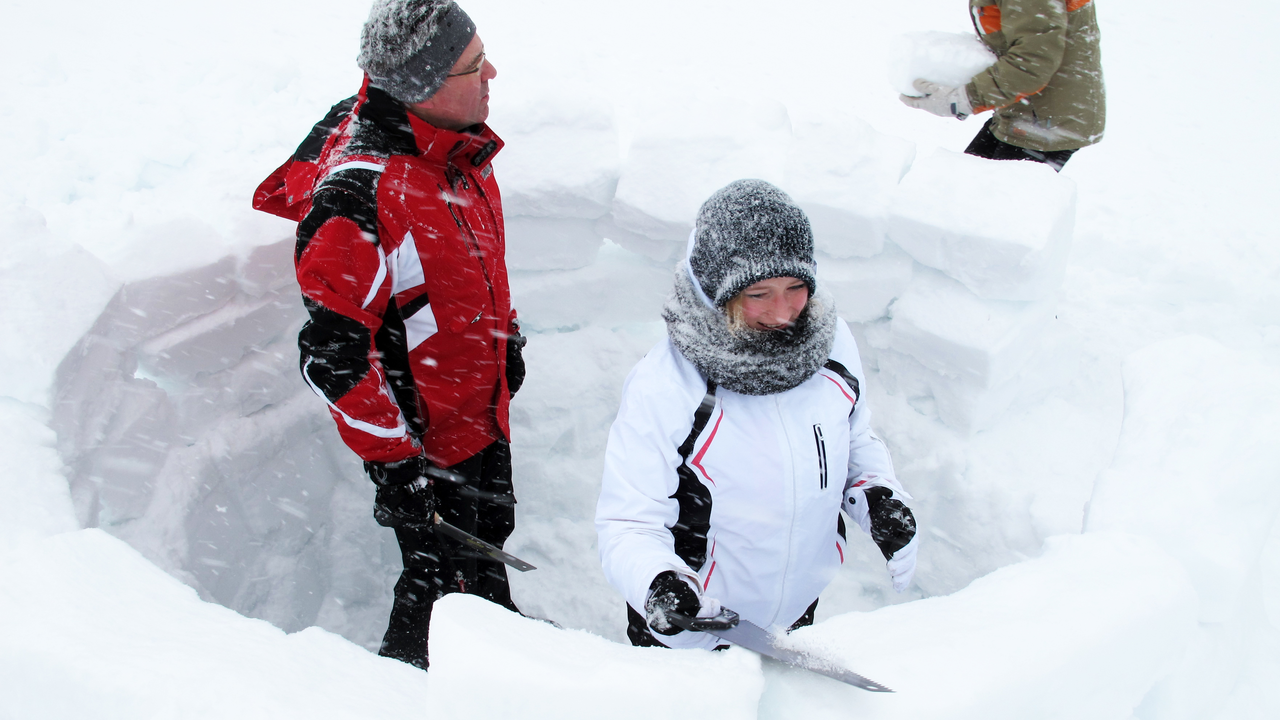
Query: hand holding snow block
pixel 1002 228
pixel 492 663
pixel 956 333
pixel 841 173
pixel 1197 463
pixel 1071 634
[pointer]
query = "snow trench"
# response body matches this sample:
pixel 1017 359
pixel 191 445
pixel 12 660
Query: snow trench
pixel 186 432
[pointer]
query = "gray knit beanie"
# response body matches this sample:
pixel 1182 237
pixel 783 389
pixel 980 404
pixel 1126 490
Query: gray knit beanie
pixel 746 232
pixel 408 47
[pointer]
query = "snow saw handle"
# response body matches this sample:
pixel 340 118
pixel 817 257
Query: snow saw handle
pixel 725 620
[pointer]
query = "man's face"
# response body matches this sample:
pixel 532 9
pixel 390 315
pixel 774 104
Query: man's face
pixel 463 99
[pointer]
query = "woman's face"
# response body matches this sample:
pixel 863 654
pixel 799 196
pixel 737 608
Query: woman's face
pixel 774 304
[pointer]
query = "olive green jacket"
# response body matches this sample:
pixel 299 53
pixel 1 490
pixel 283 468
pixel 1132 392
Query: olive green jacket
pixel 1046 84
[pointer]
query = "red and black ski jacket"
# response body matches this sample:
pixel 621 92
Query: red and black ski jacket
pixel 401 261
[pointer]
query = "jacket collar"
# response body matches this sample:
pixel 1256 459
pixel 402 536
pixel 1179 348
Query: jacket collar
pixel 474 147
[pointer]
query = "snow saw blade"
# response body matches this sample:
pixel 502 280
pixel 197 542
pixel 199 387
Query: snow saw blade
pixel 728 626
pixel 481 547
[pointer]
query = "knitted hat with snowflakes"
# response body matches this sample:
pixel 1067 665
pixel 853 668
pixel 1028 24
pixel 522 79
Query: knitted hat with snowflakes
pixel 408 47
pixel 746 232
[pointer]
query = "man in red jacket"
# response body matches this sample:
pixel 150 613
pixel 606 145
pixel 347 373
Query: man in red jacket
pixel 412 342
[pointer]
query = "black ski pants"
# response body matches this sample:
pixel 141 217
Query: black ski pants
pixel 435 565
pixel 986 145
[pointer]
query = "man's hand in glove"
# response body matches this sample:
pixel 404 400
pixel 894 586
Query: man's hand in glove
pixel 940 100
pixel 670 592
pixel 404 495
pixel 515 360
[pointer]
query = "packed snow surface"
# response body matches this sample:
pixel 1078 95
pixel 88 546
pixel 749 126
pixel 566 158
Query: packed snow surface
pixel 1078 375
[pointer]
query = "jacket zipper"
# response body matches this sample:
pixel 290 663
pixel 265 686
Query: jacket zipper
pixel 822 455
pixel 795 485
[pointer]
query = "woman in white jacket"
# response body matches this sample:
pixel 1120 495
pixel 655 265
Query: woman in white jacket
pixel 742 436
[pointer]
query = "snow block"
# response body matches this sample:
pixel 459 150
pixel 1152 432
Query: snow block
pixel 488 662
pixel 951 331
pixel 950 59
pixel 968 406
pixel 544 243
pixel 1197 463
pixel 43 318
pixel 621 287
pixel 89 628
pixel 841 173
pixel 863 288
pixel 221 339
pixel 34 500
pixel 1002 228
pixel 1072 634
pixel 560 158
pixel 684 151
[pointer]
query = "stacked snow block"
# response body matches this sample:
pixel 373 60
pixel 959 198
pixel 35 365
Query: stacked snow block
pixel 680 152
pixel 842 173
pixel 558 172
pixel 188 433
pixel 975 330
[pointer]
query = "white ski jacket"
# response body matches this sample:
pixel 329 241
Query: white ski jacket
pixel 756 519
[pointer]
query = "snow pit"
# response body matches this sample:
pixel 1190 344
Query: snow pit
pixel 1002 228
pixel 1024 641
pixel 186 433
pixel 546 672
pixel 950 59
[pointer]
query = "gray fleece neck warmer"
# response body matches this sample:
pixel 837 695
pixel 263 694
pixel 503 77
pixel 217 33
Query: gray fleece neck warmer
pixel 751 362
pixel 408 47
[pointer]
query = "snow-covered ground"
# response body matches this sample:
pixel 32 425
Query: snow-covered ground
pixel 1078 375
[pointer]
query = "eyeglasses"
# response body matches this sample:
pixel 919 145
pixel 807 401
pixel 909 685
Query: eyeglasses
pixel 479 64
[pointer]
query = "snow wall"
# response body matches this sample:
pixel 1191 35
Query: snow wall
pixel 1089 521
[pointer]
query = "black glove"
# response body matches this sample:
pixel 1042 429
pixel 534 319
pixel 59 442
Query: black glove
pixel 892 524
pixel 515 360
pixel 404 492
pixel 669 593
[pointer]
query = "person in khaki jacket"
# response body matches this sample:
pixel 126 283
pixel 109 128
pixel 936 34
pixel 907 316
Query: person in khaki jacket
pixel 1045 87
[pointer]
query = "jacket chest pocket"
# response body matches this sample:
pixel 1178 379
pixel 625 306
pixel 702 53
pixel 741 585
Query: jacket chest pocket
pixel 456 282
pixel 820 447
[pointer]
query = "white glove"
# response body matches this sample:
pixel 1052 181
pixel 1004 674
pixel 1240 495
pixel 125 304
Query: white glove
pixel 902 566
pixel 940 100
